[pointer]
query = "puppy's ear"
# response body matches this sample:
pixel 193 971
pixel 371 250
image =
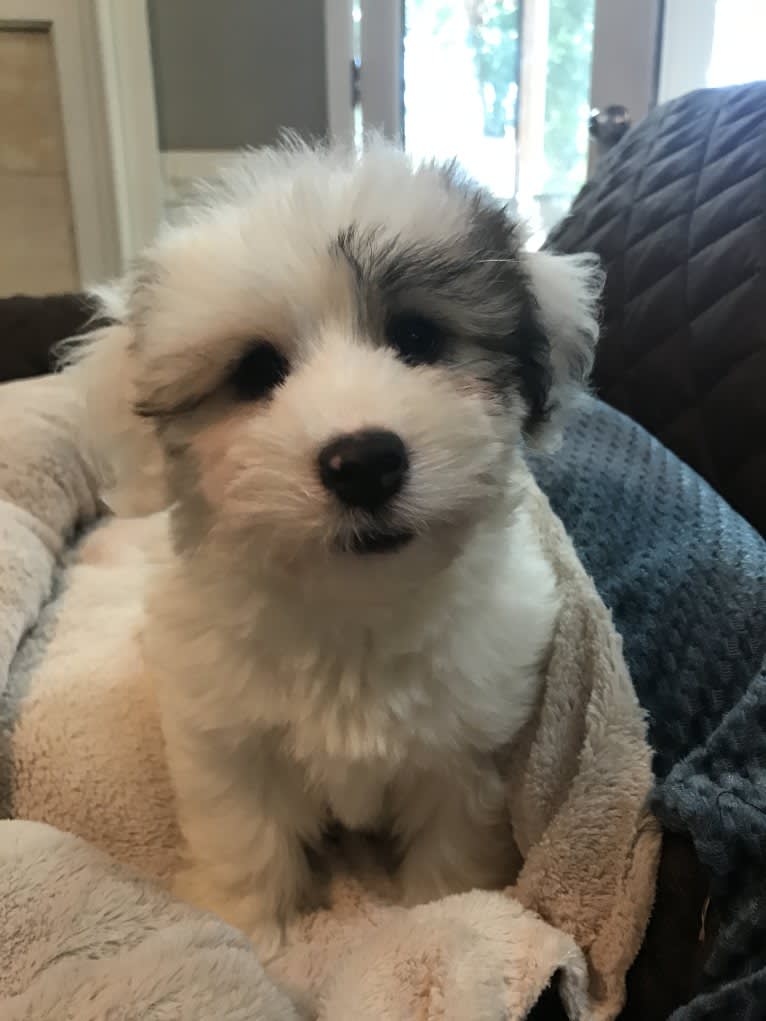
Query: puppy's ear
pixel 558 335
pixel 122 447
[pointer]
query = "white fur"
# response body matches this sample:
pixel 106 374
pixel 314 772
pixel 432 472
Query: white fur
pixel 386 717
pixel 300 682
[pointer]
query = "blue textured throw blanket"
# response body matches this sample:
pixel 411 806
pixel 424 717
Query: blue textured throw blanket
pixel 685 578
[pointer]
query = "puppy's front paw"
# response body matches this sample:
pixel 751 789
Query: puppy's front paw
pixel 268 938
pixel 261 913
pixel 239 907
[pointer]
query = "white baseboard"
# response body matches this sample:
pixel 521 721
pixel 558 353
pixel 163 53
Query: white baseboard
pixel 182 168
pixel 191 164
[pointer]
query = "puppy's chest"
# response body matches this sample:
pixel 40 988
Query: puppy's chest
pixel 359 726
pixel 366 709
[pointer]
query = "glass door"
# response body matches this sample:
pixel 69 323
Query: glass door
pixel 507 86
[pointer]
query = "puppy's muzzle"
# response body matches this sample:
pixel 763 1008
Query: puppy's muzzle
pixel 364 469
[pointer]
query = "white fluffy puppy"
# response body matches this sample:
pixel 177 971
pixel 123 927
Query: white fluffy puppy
pixel 338 362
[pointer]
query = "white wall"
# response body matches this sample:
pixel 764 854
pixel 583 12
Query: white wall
pixel 687 44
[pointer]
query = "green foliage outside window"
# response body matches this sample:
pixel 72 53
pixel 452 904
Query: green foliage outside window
pixel 494 39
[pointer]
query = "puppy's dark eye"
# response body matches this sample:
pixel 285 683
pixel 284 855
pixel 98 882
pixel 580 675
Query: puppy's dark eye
pixel 417 340
pixel 259 371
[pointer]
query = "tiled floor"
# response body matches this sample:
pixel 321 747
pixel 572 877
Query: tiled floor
pixel 37 250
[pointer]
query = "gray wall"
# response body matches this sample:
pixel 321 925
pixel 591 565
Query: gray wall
pixel 230 73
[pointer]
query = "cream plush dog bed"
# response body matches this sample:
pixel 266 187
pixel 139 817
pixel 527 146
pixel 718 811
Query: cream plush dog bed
pixel 85 924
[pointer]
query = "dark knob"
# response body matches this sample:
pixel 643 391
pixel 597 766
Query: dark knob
pixel 608 126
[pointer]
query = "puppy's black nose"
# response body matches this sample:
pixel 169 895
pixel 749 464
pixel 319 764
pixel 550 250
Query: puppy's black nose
pixel 364 469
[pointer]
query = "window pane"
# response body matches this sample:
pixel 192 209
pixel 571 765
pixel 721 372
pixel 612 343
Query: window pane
pixel 567 99
pixel 461 85
pixel 504 85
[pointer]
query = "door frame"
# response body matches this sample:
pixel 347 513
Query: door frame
pixel 382 74
pixel 128 85
pixel 626 47
pixel 339 54
pixel 84 119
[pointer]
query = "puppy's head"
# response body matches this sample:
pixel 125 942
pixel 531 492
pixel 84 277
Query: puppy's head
pixel 338 360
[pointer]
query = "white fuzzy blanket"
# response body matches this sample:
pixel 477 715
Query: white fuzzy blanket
pixel 86 927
